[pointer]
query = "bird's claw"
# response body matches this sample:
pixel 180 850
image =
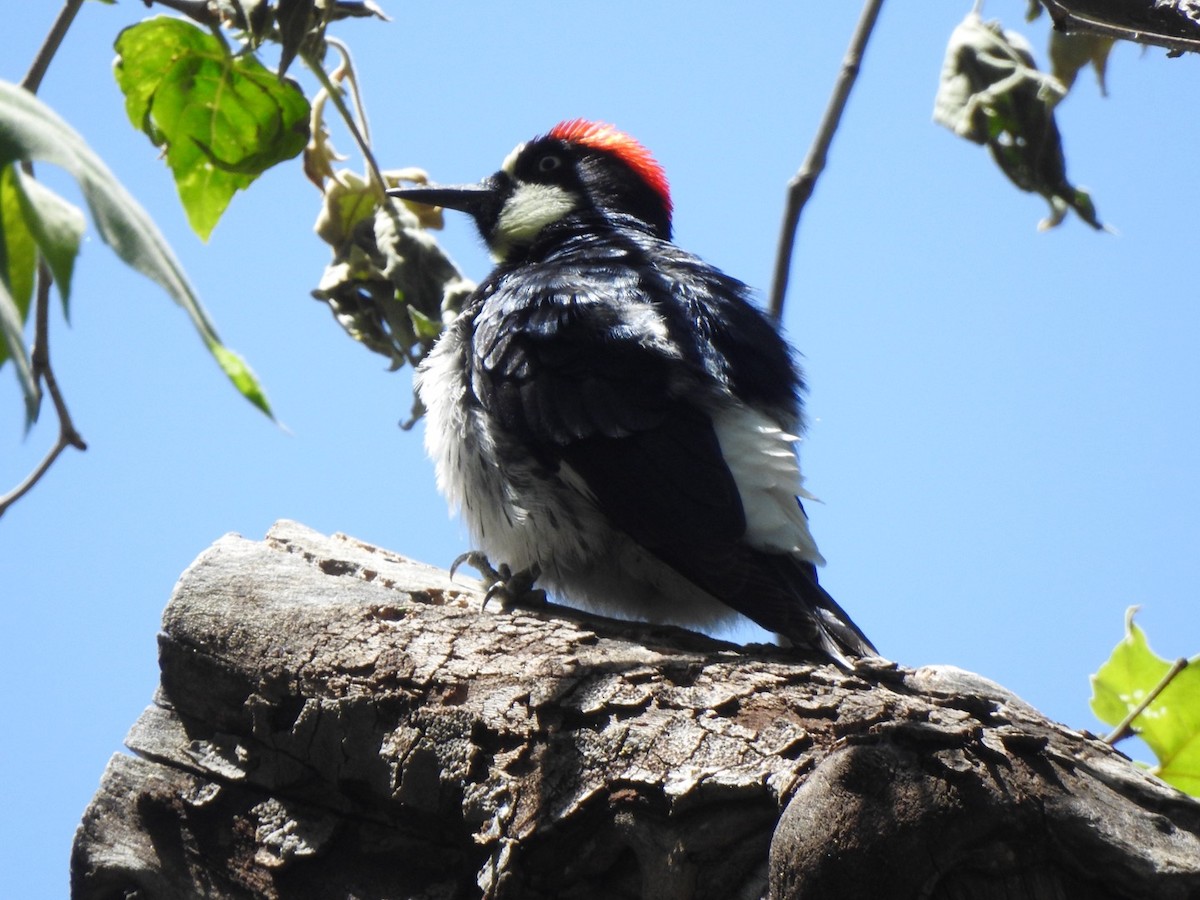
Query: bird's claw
pixel 478 561
pixel 503 584
pixel 516 588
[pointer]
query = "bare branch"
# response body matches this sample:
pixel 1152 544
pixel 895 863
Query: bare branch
pixel 801 186
pixel 1158 24
pixel 37 70
pixel 40 357
pixel 42 372
pixel 33 477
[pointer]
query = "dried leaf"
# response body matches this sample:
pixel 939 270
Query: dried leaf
pixel 1070 51
pixel 390 285
pixel 992 93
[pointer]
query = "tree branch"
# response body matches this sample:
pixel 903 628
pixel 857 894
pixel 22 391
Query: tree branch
pixel 1157 24
pixel 40 357
pixel 801 186
pixel 42 372
pixel 333 720
pixel 37 69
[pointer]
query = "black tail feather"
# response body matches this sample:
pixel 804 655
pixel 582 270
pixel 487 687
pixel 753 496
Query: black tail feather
pixel 812 618
pixel 778 591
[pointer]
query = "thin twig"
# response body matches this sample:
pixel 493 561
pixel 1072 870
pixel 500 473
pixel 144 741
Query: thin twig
pixel 32 478
pixel 40 360
pixel 40 366
pixel 37 69
pixel 335 94
pixel 1125 728
pixel 42 371
pixel 801 186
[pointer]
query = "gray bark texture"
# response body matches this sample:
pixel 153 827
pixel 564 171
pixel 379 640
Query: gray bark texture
pixel 334 721
pixel 1174 24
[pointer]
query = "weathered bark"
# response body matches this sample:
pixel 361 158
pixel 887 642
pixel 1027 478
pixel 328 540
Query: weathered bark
pixel 1173 24
pixel 336 722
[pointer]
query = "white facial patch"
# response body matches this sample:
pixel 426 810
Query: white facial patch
pixel 510 162
pixel 529 209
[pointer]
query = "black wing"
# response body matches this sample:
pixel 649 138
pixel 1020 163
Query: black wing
pixel 596 382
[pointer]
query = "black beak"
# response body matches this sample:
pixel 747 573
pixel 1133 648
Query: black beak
pixel 483 200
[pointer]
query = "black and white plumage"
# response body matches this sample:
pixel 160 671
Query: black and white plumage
pixel 613 412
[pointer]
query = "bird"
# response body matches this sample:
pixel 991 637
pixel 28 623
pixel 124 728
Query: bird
pixel 614 418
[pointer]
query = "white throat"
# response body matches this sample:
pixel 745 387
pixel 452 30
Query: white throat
pixel 528 209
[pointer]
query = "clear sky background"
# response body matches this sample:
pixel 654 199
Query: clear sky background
pixel 1005 423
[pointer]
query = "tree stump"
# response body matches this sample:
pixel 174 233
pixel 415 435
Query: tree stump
pixel 335 721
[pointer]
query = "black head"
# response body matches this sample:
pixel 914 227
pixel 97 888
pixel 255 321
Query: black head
pixel 579 168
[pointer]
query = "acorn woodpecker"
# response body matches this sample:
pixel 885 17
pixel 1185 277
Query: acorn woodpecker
pixel 611 414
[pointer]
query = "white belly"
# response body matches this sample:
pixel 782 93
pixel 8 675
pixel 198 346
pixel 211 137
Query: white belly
pixel 520 514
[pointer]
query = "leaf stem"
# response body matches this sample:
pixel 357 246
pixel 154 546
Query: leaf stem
pixel 351 76
pixel 800 187
pixel 335 95
pixel 1125 728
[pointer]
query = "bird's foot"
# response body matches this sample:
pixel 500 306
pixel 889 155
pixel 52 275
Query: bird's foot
pixel 503 584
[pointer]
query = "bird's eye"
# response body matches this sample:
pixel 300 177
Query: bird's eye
pixel 549 163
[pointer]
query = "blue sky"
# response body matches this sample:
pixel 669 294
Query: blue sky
pixel 1005 423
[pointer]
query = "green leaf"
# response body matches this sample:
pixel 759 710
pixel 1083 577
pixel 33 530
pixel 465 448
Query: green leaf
pixel 223 119
pixel 242 376
pixel 425 328
pixel 12 345
pixel 32 218
pixel 18 262
pixel 1170 725
pixel 30 130
pixel 18 252
pixel 57 228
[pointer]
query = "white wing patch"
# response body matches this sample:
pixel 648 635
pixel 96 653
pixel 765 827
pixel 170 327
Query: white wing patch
pixel 763 463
